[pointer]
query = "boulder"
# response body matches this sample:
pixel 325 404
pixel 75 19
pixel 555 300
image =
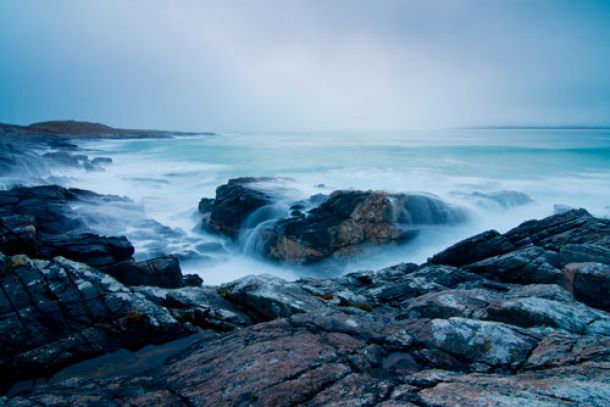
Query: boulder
pixel 349 219
pixel 267 297
pixel 591 284
pixel 160 272
pixel 234 202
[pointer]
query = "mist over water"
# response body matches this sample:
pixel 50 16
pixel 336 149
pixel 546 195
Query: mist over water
pixel 167 178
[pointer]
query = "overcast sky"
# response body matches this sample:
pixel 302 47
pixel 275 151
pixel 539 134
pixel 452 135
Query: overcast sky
pixel 305 65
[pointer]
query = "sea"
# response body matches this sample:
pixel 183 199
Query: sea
pixel 166 178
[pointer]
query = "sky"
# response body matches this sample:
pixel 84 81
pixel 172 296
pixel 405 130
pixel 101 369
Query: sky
pixel 305 65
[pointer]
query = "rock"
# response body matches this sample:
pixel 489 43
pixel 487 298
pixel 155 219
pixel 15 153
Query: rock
pixel 530 265
pixel 490 345
pixel 347 219
pixel 161 272
pixel 41 222
pixel 321 226
pixel 584 253
pixel 192 280
pixel 269 297
pixel 512 325
pixel 200 306
pixel 62 158
pixel 479 247
pixel 59 312
pixel 573 227
pixel 101 161
pixel 234 202
pixel 591 284
pixel 542 312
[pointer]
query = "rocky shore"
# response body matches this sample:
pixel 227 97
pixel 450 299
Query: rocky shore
pixel 519 318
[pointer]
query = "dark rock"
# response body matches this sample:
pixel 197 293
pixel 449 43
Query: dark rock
pixel 485 333
pixel 347 219
pixel 235 201
pixel 530 265
pixel 192 280
pixel 269 297
pixel 591 284
pixel 200 306
pixel 584 253
pixel 479 247
pixel 161 272
pixel 40 222
pixel 58 312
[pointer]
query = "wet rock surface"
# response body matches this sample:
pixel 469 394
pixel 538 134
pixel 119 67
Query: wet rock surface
pixel 490 331
pixel 41 222
pixel 56 312
pixel 322 226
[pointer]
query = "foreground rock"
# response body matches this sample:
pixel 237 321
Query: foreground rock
pixel 58 312
pixel 41 222
pixel 497 327
pixel 337 225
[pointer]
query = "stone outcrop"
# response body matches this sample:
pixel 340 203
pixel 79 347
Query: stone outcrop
pixel 57 312
pixel 40 222
pixel 322 226
pixel 514 319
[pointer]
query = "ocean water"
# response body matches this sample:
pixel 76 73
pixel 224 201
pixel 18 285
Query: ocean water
pixel 166 179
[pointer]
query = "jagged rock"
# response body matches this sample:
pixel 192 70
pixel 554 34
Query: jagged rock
pixel 269 297
pixel 59 312
pixel 479 247
pixel 575 226
pixel 192 280
pixel 540 312
pixel 591 284
pixel 337 225
pixel 201 306
pixel 530 265
pixel 489 345
pixel 234 202
pixel 485 333
pixel 161 272
pixel 584 253
pixel 348 219
pixel 40 222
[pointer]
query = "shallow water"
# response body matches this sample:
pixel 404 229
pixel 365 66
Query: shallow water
pixel 168 177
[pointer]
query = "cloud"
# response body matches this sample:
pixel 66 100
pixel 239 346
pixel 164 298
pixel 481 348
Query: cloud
pixel 305 65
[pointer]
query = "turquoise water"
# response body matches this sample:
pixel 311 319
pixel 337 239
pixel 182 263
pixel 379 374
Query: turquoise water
pixel 168 177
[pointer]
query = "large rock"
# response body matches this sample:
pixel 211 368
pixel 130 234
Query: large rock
pixel 574 227
pixel 234 202
pixel 267 297
pixel 59 312
pixel 41 222
pixel 349 219
pixel 591 284
pixel 320 227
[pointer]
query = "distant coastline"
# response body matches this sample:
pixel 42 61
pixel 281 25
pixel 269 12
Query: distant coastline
pixel 83 129
pixel 537 127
